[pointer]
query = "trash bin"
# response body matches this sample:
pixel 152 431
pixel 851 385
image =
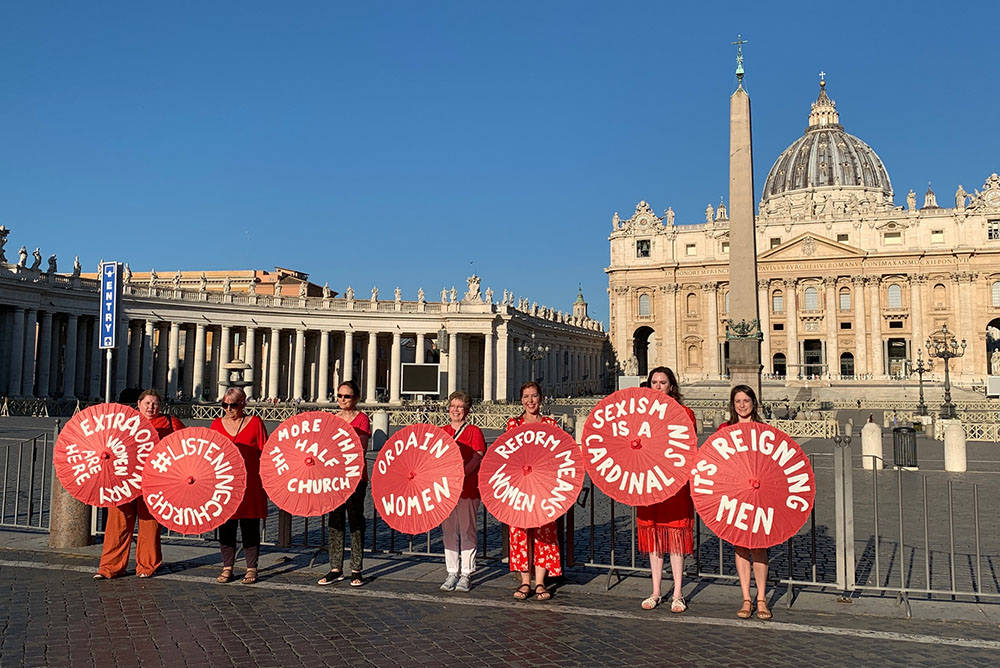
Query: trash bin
pixel 904 446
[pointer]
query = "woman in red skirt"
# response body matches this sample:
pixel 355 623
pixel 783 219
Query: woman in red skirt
pixel 667 527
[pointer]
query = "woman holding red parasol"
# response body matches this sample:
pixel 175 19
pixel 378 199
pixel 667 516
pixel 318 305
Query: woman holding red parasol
pixel 249 435
pixel 545 542
pixel 667 527
pixel 743 407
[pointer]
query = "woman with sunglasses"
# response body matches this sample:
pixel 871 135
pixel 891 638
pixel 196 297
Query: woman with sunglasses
pixel 249 435
pixel 354 508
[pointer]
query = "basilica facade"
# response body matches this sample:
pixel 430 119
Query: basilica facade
pixel 850 285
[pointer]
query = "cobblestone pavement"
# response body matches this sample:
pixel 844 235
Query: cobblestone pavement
pixel 54 615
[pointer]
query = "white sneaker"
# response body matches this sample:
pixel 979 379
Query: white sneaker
pixel 450 582
pixel 463 583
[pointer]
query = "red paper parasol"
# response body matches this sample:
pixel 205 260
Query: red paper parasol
pixel 752 485
pixel 418 478
pixel 637 446
pixel 531 475
pixel 99 454
pixel 312 462
pixel 194 480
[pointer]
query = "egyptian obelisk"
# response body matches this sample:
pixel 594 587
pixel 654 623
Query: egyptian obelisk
pixel 743 331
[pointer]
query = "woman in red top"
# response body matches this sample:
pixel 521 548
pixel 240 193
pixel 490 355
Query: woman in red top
pixel 544 539
pixel 460 529
pixel 743 407
pixel 249 435
pixel 354 508
pixel 121 519
pixel 667 527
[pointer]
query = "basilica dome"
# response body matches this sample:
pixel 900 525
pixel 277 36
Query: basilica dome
pixel 825 157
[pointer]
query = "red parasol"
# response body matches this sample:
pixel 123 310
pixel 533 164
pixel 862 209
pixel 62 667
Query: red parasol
pixel 531 475
pixel 752 485
pixel 195 480
pixel 99 454
pixel 637 446
pixel 418 478
pixel 312 462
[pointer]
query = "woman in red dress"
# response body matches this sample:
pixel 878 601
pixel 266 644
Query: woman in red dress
pixel 121 519
pixel 249 435
pixel 544 539
pixel 668 526
pixel 743 407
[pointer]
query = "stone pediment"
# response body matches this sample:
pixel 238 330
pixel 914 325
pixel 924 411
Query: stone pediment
pixel 810 246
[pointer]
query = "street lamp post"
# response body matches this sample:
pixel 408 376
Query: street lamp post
pixel 533 352
pixel 920 368
pixel 945 346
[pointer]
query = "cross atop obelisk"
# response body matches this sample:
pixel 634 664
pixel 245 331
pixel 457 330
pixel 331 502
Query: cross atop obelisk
pixel 743 327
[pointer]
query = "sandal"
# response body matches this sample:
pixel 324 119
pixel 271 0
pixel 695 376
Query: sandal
pixel 651 602
pixel 523 592
pixel 330 578
pixel 98 576
pixel 225 576
pixel 678 604
pixel 356 579
pixel 746 610
pixel 541 593
pixel 250 576
pixel 762 610
pixel 144 575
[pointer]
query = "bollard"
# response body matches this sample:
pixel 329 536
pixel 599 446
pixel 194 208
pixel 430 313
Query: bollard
pixel 954 447
pixel 380 429
pixel 578 432
pixel 871 445
pixel 69 519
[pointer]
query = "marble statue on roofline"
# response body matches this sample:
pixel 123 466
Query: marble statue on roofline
pixel 77 267
pixel 22 257
pixel 326 290
pixel 303 288
pixel 3 242
pixel 349 294
pixel 53 264
pixel 397 294
pixel 36 262
pixel 127 274
pixel 374 294
pixel 420 295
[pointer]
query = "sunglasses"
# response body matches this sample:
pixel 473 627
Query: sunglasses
pixel 345 396
pixel 234 405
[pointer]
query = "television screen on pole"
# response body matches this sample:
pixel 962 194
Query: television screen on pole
pixel 420 379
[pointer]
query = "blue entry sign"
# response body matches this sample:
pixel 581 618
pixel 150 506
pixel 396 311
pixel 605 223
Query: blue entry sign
pixel 110 296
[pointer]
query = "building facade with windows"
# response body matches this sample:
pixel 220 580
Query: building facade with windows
pixel 850 285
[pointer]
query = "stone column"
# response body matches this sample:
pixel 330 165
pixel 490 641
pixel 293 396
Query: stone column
pixel 148 359
pixel 668 337
pixel 860 336
pixel 420 353
pixel 395 368
pixel 347 366
pixel 250 355
pixel 225 357
pixel 96 360
pixel 712 338
pixel 764 300
pixel 298 376
pixel 503 355
pixel 135 356
pixel 371 366
pixel 874 298
pixel 6 327
pixel 917 310
pixel 81 386
pixel 28 359
pixel 198 371
pixel 964 329
pixel 488 367
pixel 173 360
pixel 274 362
pixel 69 370
pixel 830 315
pixel 16 353
pixel 452 362
pixel 323 387
pixel 44 353
pixel 121 359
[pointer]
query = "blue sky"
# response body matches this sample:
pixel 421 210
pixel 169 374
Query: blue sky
pixel 412 143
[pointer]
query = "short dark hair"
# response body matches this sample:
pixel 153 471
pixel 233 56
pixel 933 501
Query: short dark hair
pixel 533 384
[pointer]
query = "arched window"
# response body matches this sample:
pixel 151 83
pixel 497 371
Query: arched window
pixel 895 296
pixel 996 293
pixel 725 305
pixel 778 302
pixel 778 366
pixel 940 296
pixel 644 305
pixel 692 303
pixel 694 358
pixel 812 299
pixel 847 364
pixel 845 299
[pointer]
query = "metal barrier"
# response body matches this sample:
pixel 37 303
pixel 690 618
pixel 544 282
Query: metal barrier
pixel 27 474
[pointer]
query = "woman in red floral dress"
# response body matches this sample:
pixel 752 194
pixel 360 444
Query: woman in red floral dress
pixel 544 539
pixel 668 526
